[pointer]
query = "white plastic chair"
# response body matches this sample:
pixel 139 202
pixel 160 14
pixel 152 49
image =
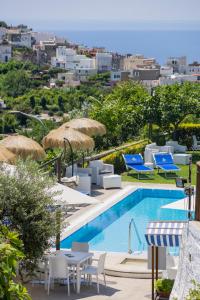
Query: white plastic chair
pixel 96 270
pixel 58 269
pixel 99 167
pixel 80 247
pixel 84 184
pixel 177 148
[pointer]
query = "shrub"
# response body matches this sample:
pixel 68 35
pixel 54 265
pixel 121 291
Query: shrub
pixel 116 158
pixel 10 255
pixel 50 113
pixel 55 108
pixel 194 293
pixel 164 285
pixel 185 132
pixel 24 203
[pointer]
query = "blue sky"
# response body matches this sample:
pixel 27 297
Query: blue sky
pixel 100 13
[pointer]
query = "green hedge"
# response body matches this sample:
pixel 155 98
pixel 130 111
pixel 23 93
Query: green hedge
pixel 185 132
pixel 116 158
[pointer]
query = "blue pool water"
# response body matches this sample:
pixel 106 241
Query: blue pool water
pixel 109 231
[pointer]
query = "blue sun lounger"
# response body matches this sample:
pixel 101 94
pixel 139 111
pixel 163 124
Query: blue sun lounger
pixel 135 162
pixel 164 161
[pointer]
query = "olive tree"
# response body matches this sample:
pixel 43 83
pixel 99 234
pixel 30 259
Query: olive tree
pixel 25 203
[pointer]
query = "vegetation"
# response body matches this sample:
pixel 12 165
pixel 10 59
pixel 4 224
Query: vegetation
pixel 25 204
pixel 127 110
pixel 10 255
pixel 121 112
pixel 194 293
pixel 164 285
pixel 185 132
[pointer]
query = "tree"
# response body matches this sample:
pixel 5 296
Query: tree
pixel 43 102
pixel 121 112
pixel 172 103
pixel 10 255
pixel 32 102
pixel 15 83
pixel 3 24
pixel 25 203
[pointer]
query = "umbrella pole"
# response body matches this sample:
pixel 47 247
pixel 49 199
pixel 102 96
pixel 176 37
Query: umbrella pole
pixel 152 283
pixel 156 263
pixel 83 162
pixel 58 220
pixel 72 154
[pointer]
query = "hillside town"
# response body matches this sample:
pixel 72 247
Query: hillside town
pixel 99 171
pixel 78 62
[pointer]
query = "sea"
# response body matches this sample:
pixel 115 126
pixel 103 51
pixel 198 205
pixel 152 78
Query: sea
pixel 159 44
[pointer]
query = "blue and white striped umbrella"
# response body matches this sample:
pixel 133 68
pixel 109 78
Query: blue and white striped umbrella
pixel 164 234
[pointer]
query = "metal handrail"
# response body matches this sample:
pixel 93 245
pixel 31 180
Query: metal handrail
pixel 129 235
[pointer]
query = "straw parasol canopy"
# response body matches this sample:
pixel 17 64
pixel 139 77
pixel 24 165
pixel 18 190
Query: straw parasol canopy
pixel 86 126
pixel 23 147
pixel 6 156
pixel 78 140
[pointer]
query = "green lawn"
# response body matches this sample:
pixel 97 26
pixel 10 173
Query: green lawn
pixel 160 177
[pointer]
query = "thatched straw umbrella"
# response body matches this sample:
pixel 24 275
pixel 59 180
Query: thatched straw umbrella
pixel 87 126
pixel 66 137
pixel 23 147
pixel 78 140
pixel 6 156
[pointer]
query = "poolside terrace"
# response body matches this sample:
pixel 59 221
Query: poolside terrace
pixel 117 287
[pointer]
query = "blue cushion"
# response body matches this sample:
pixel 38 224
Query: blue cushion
pixel 169 167
pixel 133 159
pixel 140 168
pixel 163 159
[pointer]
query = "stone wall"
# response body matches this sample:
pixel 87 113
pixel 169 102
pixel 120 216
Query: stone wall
pixel 189 264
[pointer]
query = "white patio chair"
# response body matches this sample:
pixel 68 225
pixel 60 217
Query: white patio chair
pixel 77 171
pixel 98 168
pixel 96 270
pixel 58 269
pixel 84 184
pixel 177 148
pixel 196 143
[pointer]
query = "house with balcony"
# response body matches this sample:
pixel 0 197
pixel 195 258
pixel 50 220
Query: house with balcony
pixel 79 64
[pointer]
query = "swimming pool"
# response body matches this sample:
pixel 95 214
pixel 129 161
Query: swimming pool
pixel 109 231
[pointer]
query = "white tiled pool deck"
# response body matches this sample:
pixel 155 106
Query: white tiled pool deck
pixel 118 288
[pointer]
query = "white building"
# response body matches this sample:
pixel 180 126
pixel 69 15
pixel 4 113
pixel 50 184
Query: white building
pixel 17 37
pixel 179 64
pixel 193 69
pixel 67 58
pixel 166 71
pixel 178 78
pixel 5 52
pixel 104 62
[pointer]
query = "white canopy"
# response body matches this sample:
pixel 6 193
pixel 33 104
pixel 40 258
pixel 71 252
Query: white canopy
pixel 69 196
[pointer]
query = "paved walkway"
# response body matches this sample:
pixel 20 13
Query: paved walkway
pixel 117 289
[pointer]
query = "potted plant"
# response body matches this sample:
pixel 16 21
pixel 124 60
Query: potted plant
pixel 164 287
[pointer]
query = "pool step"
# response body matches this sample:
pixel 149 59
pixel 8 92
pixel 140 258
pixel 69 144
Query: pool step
pixel 127 265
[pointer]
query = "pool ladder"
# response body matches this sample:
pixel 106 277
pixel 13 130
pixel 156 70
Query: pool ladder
pixel 132 222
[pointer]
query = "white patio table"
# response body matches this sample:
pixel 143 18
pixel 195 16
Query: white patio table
pixel 76 259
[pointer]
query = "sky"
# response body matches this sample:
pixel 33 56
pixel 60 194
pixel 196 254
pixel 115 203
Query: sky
pixel 80 14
